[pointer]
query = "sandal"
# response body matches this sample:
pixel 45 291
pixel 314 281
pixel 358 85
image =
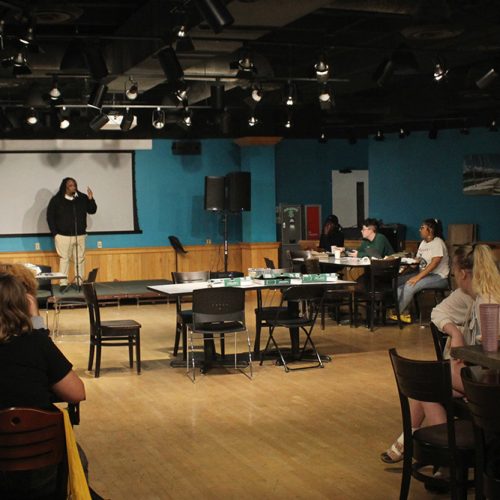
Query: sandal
pixel 394 454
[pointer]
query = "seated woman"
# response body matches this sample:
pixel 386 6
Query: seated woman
pixel 434 267
pixel 478 280
pixel 32 370
pixel 374 244
pixel 331 234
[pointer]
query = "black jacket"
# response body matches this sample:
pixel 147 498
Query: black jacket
pixel 62 214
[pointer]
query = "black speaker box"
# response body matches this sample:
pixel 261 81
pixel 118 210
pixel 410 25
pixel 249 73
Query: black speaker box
pixel 215 193
pixel 396 234
pixel 238 191
pixel 186 148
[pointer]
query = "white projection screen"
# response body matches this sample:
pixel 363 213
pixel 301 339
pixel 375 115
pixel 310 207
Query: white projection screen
pixel 29 180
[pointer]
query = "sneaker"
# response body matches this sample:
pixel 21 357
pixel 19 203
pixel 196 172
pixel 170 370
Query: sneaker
pixel 394 454
pixel 405 318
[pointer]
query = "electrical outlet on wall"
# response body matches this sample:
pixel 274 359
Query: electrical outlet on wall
pixel 99 244
pixel 37 246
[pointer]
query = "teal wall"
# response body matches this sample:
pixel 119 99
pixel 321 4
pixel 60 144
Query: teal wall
pixel 410 180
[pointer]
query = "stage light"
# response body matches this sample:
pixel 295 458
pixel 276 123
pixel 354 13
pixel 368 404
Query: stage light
pixel 440 71
pixel 28 37
pixel 158 119
pixel 54 92
pixel 127 120
pixel 379 136
pixel 64 122
pixel 97 96
pixel 493 126
pixel 322 70
pixel 98 121
pixel 322 138
pixel 252 121
pixel 215 14
pixel 257 93
pixel 131 89
pixel 183 42
pixel 403 133
pixel 325 98
pixel 290 94
pixel 31 117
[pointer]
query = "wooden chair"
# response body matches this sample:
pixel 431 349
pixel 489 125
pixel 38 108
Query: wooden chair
pixel 381 291
pixel 217 312
pixel 482 389
pixel 311 296
pixel 450 444
pixel 30 440
pixel 185 316
pixel 114 333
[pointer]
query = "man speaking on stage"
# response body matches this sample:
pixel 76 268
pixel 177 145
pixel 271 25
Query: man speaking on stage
pixel 67 219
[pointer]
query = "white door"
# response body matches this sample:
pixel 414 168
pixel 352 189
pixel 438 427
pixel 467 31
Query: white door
pixel 350 196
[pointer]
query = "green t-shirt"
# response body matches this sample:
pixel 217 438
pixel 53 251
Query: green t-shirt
pixel 379 244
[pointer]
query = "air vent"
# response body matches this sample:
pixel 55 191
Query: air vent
pixel 431 32
pixel 56 14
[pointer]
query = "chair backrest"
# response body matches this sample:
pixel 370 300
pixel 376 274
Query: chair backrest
pixel 384 274
pixel 269 263
pixel 45 284
pixel 218 305
pixel 176 244
pixel 214 275
pixel 30 439
pixel 439 339
pixel 190 276
pixel 312 266
pixel 93 307
pixel 299 266
pixel 92 275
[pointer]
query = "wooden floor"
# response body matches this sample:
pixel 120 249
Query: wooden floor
pixel 314 434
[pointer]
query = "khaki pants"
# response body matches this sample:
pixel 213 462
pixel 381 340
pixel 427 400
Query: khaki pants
pixel 66 247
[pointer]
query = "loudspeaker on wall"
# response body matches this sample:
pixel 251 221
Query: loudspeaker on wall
pixel 214 193
pixel 238 192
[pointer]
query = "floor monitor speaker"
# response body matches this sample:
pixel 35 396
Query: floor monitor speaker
pixel 238 191
pixel 214 193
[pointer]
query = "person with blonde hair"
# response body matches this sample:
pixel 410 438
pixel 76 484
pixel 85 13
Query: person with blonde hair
pixel 478 281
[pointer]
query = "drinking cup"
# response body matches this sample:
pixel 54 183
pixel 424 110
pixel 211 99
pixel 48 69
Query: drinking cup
pixel 488 315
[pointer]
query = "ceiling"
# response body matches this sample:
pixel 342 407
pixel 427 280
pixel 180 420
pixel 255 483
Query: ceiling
pixel 381 55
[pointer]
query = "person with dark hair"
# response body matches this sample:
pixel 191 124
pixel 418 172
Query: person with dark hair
pixel 434 267
pixel 331 234
pixel 67 219
pixel 374 244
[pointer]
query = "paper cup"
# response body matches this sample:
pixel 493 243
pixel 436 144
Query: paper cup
pixel 337 254
pixel 488 315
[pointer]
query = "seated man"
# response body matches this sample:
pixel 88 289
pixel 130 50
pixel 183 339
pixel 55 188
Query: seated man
pixel 374 244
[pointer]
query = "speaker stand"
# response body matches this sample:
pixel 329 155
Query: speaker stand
pixel 226 249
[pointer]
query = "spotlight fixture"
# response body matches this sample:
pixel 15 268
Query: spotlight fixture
pixel 54 92
pixel 170 64
pixel 252 121
pixel 98 121
pixel 215 14
pixel 322 69
pixel 487 79
pixel 257 93
pixel 63 118
pixel 28 37
pixel 31 117
pixel 290 94
pixel 325 98
pixel 245 63
pixel 183 41
pixel 493 126
pixel 379 136
pixel 322 138
pixel 288 123
pixel 187 120
pixel 18 63
pixel 440 71
pixel 97 96
pixel 131 89
pixel 181 92
pixel 127 120
pixel 403 133
pixel 384 72
pixel 158 118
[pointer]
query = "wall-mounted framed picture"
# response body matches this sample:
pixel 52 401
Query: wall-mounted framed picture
pixel 481 175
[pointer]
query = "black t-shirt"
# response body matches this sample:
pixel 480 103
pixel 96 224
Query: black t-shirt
pixel 30 365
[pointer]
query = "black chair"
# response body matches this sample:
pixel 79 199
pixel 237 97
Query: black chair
pixel 450 444
pixel 311 296
pixel 438 295
pixel 334 298
pixel 269 263
pixel 482 389
pixel 298 266
pixel 216 275
pixel 217 312
pixel 178 248
pixel 114 333
pixel 44 291
pixel 264 313
pixel 380 292
pixel 32 440
pixel 185 316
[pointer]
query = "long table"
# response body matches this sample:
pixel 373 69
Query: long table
pixel 183 289
pixel 475 354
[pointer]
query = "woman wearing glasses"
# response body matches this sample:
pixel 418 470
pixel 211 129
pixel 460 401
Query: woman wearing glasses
pixel 434 267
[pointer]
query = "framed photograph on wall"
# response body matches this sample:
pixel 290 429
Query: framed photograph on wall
pixel 481 175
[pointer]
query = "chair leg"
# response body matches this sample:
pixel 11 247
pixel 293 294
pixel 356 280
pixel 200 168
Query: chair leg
pixel 256 346
pixel 131 351
pixel 223 346
pixel 91 355
pixel 138 352
pixel 184 341
pixel 97 361
pixel 250 364
pixel 178 329
pixel 372 314
pixel 323 312
pixel 350 312
pixel 406 477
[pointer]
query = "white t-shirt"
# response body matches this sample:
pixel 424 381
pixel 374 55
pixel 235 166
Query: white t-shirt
pixel 435 248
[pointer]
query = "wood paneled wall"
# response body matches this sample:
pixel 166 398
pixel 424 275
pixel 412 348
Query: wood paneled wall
pixel 157 262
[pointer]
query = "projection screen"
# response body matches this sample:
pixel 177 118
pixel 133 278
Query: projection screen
pixel 29 180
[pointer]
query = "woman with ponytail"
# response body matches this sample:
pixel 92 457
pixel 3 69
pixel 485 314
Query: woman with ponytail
pixel 478 281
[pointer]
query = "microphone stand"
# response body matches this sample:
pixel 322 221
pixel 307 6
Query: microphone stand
pixel 77 277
